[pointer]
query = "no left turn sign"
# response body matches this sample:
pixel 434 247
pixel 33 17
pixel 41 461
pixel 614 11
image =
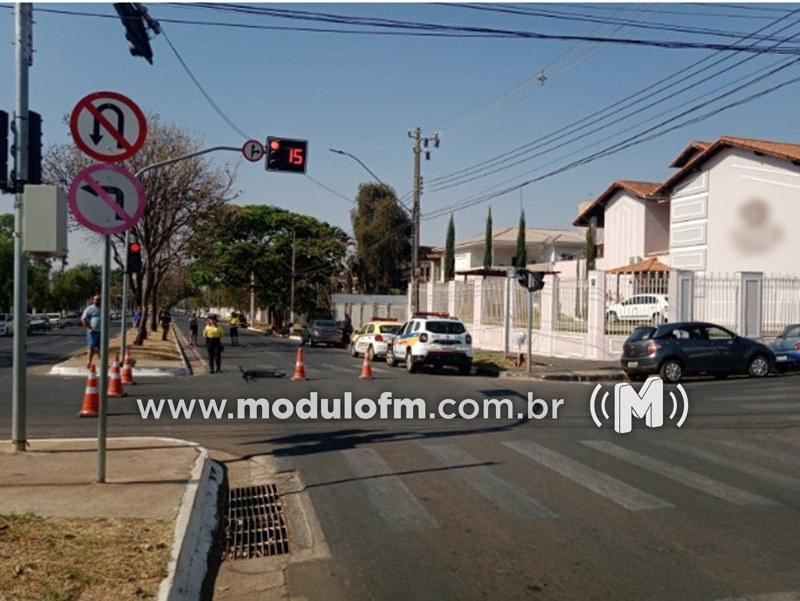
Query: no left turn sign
pixel 108 126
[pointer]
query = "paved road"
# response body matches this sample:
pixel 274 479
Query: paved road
pixel 505 509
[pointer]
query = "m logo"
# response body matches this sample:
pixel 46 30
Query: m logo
pixel 647 404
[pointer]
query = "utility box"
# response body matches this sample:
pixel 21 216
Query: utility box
pixel 45 221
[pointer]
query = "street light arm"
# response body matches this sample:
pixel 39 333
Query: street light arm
pixel 185 157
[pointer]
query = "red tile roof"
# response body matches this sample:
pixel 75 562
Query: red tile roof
pixel 636 188
pixel 690 151
pixel 651 265
pixel 780 150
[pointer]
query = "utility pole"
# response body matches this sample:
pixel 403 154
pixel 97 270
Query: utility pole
pixel 291 299
pixel 421 144
pixel 23 26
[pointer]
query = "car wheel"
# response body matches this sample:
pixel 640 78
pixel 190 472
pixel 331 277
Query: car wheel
pixel 390 357
pixel 411 367
pixel 671 371
pixel 353 350
pixel 758 366
pixel 371 353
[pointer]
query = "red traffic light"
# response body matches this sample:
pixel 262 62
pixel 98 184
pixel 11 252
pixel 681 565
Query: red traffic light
pixel 135 247
pixel 274 145
pixel 286 154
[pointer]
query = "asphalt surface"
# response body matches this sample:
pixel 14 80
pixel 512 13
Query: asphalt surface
pixel 497 509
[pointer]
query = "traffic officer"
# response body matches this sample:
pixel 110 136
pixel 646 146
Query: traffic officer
pixel 213 335
pixel 234 326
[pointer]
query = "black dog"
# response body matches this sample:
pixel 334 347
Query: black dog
pixel 251 375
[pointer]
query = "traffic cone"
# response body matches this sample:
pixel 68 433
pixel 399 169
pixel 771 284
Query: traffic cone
pixel 366 368
pixel 299 368
pixel 91 398
pixel 115 383
pixel 127 369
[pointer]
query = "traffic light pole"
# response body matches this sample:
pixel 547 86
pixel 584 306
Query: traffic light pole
pixel 138 174
pixel 23 25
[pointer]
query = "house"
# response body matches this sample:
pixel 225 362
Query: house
pixel 727 208
pixel 544 246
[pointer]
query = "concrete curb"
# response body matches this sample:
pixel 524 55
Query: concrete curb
pixel 569 377
pixel 176 332
pixel 138 372
pixel 194 531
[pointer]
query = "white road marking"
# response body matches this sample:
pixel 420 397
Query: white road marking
pixel 750 469
pixel 604 485
pixel 392 499
pixel 756 449
pixel 691 479
pixel 500 492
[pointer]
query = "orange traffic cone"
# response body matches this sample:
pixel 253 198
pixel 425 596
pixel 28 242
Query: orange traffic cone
pixel 115 383
pixel 127 369
pixel 299 367
pixel 366 368
pixel 91 398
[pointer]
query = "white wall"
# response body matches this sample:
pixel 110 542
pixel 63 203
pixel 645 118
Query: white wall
pixel 624 231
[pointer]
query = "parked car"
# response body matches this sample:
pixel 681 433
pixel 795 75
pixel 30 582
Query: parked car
pixel 55 320
pixel 431 339
pixel 676 350
pixel 374 339
pixel 321 331
pixel 6 324
pixel 38 323
pixel 787 348
pixel 71 319
pixel 650 308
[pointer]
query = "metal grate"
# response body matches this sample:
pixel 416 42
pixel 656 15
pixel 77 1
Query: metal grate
pixel 255 524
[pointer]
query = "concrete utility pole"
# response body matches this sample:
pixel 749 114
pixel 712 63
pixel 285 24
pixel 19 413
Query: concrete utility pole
pixel 23 31
pixel 421 144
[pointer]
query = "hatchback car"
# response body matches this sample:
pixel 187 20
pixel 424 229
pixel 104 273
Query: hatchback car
pixel 787 348
pixel 693 348
pixel 322 331
pixel 373 339
pixel 650 308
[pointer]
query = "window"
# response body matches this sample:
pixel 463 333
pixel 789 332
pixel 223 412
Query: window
pixel 445 327
pixel 416 326
pixel 717 333
pixel 389 329
pixel 370 329
pixel 791 332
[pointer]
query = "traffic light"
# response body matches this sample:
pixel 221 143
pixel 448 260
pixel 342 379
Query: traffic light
pixel 34 148
pixel 134 257
pixel 534 283
pixel 284 154
pixel 5 185
pixel 136 20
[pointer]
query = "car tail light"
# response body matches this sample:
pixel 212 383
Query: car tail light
pixel 653 347
pixel 797 346
pixel 378 338
pixel 468 339
pixel 423 337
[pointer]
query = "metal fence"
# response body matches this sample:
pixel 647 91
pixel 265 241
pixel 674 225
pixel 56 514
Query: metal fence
pixel 634 300
pixel 572 304
pixel 521 307
pixel 493 301
pixel 716 299
pixel 780 303
pixel 465 301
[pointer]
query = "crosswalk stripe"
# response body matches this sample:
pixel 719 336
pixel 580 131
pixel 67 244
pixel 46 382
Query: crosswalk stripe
pixel 691 479
pixel 391 498
pixel 500 492
pixel 757 449
pixel 787 596
pixel 607 486
pixel 770 406
pixel 750 469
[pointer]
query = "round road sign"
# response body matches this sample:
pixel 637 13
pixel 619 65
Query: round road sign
pixel 107 199
pixel 253 150
pixel 108 126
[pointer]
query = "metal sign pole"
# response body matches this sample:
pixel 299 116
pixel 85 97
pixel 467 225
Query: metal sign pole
pixel 529 360
pixel 124 329
pixel 103 383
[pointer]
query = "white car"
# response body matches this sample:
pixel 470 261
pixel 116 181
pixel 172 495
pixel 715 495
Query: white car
pixel 374 338
pixel 650 308
pixel 432 339
pixel 55 320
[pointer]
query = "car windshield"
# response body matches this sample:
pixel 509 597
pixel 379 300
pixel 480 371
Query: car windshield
pixel 322 323
pixel 791 332
pixel 389 329
pixel 643 333
pixel 445 327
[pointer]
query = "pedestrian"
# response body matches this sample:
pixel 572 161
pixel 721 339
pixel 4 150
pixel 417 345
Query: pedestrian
pixel 213 335
pixel 193 328
pixel 91 320
pixel 165 320
pixel 137 317
pixel 347 329
pixel 233 324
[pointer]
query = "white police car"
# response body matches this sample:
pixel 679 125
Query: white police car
pixel 434 339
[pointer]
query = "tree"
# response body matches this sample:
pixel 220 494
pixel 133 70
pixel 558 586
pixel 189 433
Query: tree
pixel 591 248
pixel 487 244
pixel 450 252
pixel 73 287
pixel 180 198
pixel 382 231
pixel 521 256
pixel 257 240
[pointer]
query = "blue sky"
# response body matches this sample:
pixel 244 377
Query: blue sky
pixel 363 93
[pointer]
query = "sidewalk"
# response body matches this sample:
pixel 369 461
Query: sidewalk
pixel 156 358
pixel 119 539
pixel 569 370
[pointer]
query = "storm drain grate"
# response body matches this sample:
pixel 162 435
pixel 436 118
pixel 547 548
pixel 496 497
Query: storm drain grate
pixel 255 524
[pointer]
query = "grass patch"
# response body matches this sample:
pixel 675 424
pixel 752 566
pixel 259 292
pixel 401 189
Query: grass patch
pixel 71 559
pixel 489 360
